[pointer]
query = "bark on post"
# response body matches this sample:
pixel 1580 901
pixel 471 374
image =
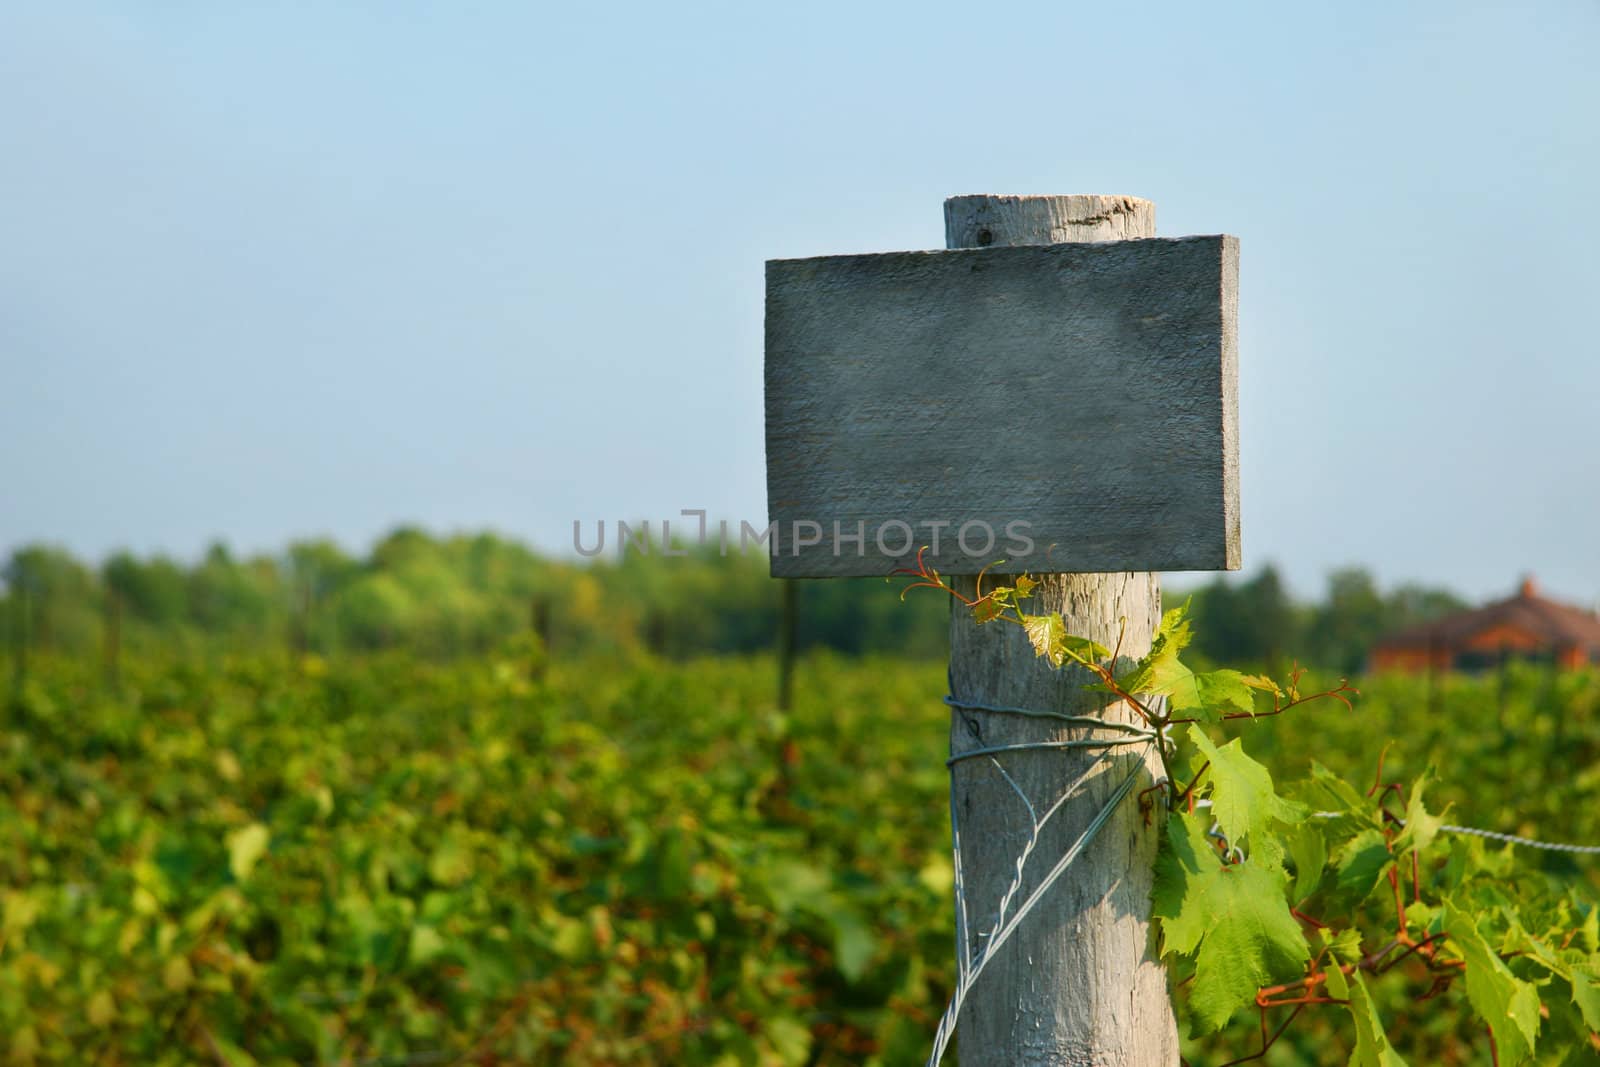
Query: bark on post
pixel 1080 984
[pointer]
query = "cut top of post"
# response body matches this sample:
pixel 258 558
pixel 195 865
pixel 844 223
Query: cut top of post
pixel 1057 407
pixel 982 221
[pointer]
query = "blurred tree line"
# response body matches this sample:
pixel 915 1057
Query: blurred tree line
pixel 442 597
pixel 1255 623
pixel 460 595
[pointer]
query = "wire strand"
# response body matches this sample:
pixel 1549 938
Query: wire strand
pixel 1023 746
pixel 1473 831
pixel 1059 716
pixel 1528 842
pixel 964 983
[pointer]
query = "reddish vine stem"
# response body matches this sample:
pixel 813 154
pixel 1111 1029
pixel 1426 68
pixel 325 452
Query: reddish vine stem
pixel 1301 1001
pixel 1399 900
pixel 1267 1043
pixel 1187 796
pixel 1423 947
pixel 1336 693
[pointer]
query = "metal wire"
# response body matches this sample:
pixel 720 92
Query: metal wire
pixel 1005 927
pixel 1493 835
pixel 1059 716
pixel 1528 842
pixel 988 750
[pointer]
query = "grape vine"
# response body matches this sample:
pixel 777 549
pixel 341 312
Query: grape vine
pixel 1284 901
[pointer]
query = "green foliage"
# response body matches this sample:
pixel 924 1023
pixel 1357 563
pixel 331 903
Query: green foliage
pixel 1282 902
pixel 1233 921
pixel 1244 803
pixel 1047 634
pixel 1206 694
pixel 370 859
pixel 345 858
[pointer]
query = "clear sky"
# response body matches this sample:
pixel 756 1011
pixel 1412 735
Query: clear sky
pixel 272 271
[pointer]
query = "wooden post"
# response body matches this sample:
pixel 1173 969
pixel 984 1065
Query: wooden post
pixel 1062 375
pixel 1081 984
pixel 788 624
pixel 113 638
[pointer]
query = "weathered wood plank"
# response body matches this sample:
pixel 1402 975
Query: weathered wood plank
pixel 1085 390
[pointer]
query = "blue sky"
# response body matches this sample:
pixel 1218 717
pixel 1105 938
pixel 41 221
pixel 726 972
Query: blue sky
pixel 274 271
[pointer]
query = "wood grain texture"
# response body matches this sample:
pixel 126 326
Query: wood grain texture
pixel 1081 984
pixel 985 220
pixel 1086 391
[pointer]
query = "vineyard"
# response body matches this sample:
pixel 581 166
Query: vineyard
pixel 377 860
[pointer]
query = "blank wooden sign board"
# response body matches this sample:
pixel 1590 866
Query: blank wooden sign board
pixel 1063 408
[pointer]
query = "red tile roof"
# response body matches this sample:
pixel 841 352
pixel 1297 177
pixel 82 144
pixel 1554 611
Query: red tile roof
pixel 1556 623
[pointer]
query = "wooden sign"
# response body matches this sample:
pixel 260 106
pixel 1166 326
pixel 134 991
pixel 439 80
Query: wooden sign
pixel 1063 407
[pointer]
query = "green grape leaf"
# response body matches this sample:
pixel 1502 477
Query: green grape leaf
pixel 1261 682
pixel 1507 1003
pixel 1361 861
pixel 1243 800
pixel 1234 920
pixel 1044 634
pixel 1206 696
pixel 1337 794
pixel 1309 850
pixel 1338 983
pixel 1586 995
pixel 1025 586
pixel 1339 808
pixel 1421 826
pixel 1589 931
pixel 1082 648
pixel 1372 1043
pixel 1563 964
pixel 1344 945
pixel 1050 640
pixel 1219 692
pixel 1160 672
pixel 988 609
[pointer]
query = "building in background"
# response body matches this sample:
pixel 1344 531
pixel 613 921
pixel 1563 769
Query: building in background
pixel 1526 627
